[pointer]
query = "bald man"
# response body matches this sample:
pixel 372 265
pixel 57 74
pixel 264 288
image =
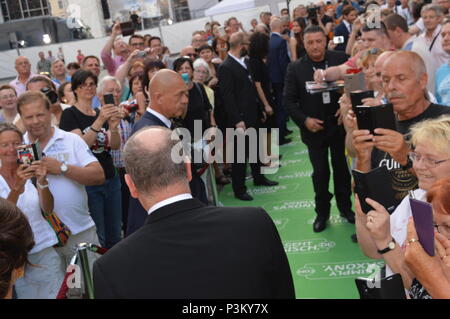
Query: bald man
pixel 169 98
pixel 277 62
pixel 186 249
pixel 23 68
pixel 404 78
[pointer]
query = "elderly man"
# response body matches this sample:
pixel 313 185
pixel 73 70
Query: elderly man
pixel 187 249
pixel 443 73
pixel 404 79
pixel 23 68
pixel 59 73
pixel 169 97
pixel 121 51
pixel 70 165
pixel 44 65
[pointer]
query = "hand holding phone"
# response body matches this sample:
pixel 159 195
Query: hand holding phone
pixel 109 99
pixel 422 213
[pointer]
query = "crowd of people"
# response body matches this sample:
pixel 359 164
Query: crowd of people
pixel 104 177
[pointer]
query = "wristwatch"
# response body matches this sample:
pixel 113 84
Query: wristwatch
pixel 64 168
pixel 408 165
pixel 391 246
pixel 41 186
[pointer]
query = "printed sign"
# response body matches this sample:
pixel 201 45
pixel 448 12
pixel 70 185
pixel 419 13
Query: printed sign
pixel 339 270
pixel 317 245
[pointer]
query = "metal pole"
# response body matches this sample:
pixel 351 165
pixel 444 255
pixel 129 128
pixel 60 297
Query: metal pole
pixel 212 181
pixel 169 2
pixel 84 262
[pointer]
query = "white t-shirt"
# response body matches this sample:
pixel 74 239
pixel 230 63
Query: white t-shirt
pixel 28 202
pixel 399 221
pixel 71 202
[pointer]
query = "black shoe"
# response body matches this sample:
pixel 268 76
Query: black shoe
pixel 284 141
pixel 319 224
pixel 243 196
pixel 262 181
pixel 354 238
pixel 349 215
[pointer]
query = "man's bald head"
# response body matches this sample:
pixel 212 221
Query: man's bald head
pixel 23 66
pixel 276 25
pixel 237 39
pixel 169 95
pixel 149 163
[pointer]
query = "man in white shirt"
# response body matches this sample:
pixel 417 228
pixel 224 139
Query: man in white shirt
pixel 405 11
pixel 23 68
pixel 70 165
pixel 431 40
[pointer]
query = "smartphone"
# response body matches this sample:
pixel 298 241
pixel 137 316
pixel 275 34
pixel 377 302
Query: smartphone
pixel 338 40
pixel 141 54
pixel 222 32
pixel 109 99
pixel 29 153
pixel 386 288
pixel 422 213
pixel 185 77
pixel 373 117
pixel 357 96
pixel 127 28
pixel 354 82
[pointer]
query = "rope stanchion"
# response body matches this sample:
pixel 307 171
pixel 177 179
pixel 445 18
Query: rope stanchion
pixel 81 254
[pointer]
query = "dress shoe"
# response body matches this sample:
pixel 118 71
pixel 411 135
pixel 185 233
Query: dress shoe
pixel 354 238
pixel 222 180
pixel 262 181
pixel 349 215
pixel 319 225
pixel 284 141
pixel 243 196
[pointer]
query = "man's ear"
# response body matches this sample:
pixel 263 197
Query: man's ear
pixel 187 164
pixel 133 190
pixel 423 81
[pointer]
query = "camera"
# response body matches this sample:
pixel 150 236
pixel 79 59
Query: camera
pixel 338 40
pixel 141 54
pixel 131 108
pixel 29 153
pixel 50 94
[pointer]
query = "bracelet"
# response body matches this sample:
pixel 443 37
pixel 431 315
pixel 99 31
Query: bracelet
pixel 94 130
pixel 41 186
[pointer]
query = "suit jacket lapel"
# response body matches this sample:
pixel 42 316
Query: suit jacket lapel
pixel 154 118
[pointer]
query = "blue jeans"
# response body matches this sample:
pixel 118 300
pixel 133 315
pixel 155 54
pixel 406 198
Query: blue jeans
pixel 105 206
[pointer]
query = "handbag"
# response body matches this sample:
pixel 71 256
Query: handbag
pixel 61 230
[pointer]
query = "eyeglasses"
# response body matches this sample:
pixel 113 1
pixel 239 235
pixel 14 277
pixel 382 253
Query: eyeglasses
pixel 5 97
pixel 202 72
pixel 443 229
pixel 88 85
pixel 428 161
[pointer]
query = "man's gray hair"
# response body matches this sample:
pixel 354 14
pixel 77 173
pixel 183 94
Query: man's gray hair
pixel 153 169
pixel 432 7
pixel 102 83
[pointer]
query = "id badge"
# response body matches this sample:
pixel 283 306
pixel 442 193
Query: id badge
pixel 326 98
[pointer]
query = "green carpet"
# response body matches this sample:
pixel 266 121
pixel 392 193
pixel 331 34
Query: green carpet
pixel 323 265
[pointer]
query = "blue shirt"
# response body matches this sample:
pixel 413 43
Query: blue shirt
pixel 58 82
pixel 341 6
pixel 443 85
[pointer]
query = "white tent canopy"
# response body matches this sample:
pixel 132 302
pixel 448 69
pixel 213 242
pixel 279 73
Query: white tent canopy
pixel 226 6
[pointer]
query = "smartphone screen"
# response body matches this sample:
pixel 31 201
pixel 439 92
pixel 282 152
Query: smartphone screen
pixel 109 99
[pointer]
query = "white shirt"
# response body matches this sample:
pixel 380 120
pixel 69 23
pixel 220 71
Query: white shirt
pixel 169 201
pixel 241 61
pixel 399 222
pixel 347 25
pixel 163 119
pixel 71 202
pixel 19 86
pixel 28 202
pixel 406 14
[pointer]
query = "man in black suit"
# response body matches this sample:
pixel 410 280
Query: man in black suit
pixel 277 63
pixel 243 110
pixel 169 99
pixel 344 29
pixel 187 250
pixel 321 129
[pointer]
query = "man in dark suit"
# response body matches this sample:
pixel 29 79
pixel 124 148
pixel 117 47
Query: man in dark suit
pixel 344 29
pixel 169 99
pixel 321 130
pixel 187 250
pixel 277 63
pixel 243 110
